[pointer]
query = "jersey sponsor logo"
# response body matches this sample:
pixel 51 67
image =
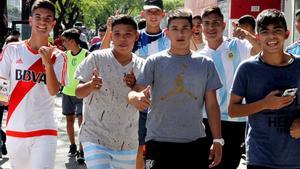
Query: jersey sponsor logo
pixel 29 75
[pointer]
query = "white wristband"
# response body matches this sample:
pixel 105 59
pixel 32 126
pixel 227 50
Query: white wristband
pixel 220 141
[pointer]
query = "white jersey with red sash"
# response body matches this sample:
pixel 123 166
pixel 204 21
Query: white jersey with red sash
pixel 31 107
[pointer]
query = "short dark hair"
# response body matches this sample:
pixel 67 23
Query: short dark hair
pixel 212 10
pixel 270 16
pixel 197 17
pixel 247 19
pixel 142 24
pixel 47 4
pixel 297 14
pixel 180 13
pixel 123 19
pixel 72 34
pixel 102 28
pixel 15 33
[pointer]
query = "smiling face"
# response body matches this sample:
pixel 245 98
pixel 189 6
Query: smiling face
pixel 213 27
pixel 153 16
pixel 197 27
pixel 272 38
pixel 42 22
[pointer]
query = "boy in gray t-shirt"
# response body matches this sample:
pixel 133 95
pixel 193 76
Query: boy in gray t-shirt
pixel 109 132
pixel 181 82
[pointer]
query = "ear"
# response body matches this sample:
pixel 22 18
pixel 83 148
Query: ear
pixel 287 34
pixel 167 33
pixel 224 25
pixel 30 20
pixel 53 23
pixel 143 13
pixel 137 36
pixel 110 34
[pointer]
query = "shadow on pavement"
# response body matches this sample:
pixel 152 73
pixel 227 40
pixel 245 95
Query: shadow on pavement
pixel 72 164
pixel 2 161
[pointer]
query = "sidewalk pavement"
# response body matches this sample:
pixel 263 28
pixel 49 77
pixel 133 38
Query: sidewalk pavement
pixel 62 160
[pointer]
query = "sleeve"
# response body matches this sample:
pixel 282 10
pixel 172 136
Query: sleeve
pixel 84 71
pixel 245 48
pixel 60 67
pixel 213 79
pixel 147 74
pixel 240 81
pixel 6 59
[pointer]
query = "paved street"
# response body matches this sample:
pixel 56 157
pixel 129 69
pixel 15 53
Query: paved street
pixel 62 161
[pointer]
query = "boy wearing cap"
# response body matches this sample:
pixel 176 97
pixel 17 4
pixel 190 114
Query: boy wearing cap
pixel 295 47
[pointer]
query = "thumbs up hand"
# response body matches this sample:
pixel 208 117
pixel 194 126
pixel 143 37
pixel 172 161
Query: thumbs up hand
pixel 238 32
pixel 129 79
pixel 46 54
pixel 96 82
pixel 141 100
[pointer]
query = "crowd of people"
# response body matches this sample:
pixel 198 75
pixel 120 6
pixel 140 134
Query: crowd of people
pixel 147 97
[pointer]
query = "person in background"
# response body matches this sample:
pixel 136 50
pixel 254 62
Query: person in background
pixel 227 54
pixel 273 127
pixel 248 23
pixel 31 129
pixel 197 40
pixel 295 47
pixel 71 105
pixel 97 43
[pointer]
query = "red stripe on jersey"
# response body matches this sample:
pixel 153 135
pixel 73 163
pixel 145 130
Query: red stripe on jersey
pixel 35 133
pixel 22 88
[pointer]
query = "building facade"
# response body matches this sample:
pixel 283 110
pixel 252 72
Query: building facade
pixel 233 9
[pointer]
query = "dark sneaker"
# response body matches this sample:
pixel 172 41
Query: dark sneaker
pixel 80 157
pixel 73 150
pixel 4 150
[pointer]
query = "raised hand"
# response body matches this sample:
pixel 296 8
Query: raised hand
pixel 96 82
pixel 46 54
pixel 129 79
pixel 239 32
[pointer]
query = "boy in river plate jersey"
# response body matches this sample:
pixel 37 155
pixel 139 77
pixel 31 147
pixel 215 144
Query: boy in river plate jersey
pixel 36 71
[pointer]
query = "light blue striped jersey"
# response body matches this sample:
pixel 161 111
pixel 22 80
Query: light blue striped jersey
pixel 294 48
pixel 227 58
pixel 151 44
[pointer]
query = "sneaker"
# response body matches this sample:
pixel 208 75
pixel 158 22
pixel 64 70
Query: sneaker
pixel 73 150
pixel 80 157
pixel 4 150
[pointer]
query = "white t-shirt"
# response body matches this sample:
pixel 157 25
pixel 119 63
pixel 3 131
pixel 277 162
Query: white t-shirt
pixel 227 57
pixel 31 107
pixel 108 118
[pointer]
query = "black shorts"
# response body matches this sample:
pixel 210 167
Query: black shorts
pixel 165 155
pixel 71 105
pixel 142 127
